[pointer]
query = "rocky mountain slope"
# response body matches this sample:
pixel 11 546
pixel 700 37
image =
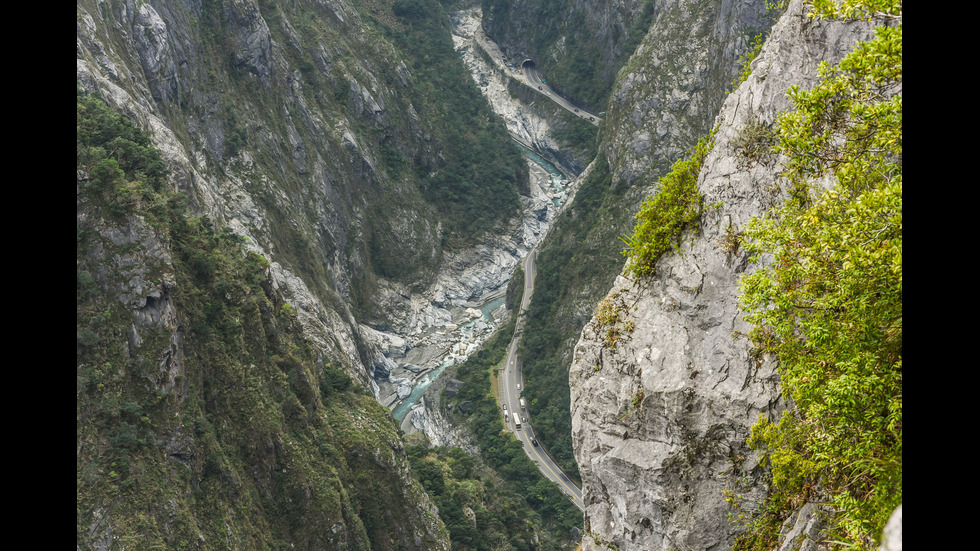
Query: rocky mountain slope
pixel 661 413
pixel 319 157
pixel 206 418
pixel 666 97
pixel 298 138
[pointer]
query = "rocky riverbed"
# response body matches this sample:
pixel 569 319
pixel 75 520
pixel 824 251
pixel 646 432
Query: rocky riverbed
pixel 448 324
pixel 445 324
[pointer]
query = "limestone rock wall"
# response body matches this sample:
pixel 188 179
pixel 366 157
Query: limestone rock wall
pixel 660 417
pixel 672 87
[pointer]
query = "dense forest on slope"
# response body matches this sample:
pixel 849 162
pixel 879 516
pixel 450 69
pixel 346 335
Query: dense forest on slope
pixel 577 48
pixel 514 505
pixel 207 419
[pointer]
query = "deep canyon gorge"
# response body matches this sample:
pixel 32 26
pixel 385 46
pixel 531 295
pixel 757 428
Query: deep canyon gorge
pixel 298 221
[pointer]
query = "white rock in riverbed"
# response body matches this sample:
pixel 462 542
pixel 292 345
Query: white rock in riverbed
pixel 404 390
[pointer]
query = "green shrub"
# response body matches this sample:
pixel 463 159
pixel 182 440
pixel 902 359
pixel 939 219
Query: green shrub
pixel 829 304
pixel 663 217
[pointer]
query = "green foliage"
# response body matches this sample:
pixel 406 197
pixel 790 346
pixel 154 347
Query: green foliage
pixel 219 427
pixel 410 9
pixel 119 170
pixel 540 503
pixel 611 320
pixel 236 135
pixel 515 289
pixel 755 143
pixel 334 381
pixel 477 181
pixel 577 134
pixel 856 9
pixel 664 216
pixel 829 305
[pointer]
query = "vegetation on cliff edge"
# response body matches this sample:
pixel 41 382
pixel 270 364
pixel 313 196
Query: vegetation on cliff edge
pixel 664 216
pixel 204 419
pixel 829 304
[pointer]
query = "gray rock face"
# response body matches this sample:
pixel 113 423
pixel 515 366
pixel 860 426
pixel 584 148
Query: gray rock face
pixel 152 42
pixel 427 419
pixel 676 81
pixel 803 530
pixel 660 418
pixel 891 540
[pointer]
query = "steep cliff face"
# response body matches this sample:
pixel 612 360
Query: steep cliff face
pixel 661 412
pixel 303 129
pixel 299 134
pixel 672 87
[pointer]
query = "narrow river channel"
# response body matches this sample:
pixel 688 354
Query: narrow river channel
pixel 466 331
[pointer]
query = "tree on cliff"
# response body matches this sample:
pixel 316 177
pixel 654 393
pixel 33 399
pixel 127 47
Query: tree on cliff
pixel 829 305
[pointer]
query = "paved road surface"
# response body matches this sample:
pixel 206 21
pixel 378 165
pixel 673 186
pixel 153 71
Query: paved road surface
pixel 534 81
pixel 529 76
pixel 510 395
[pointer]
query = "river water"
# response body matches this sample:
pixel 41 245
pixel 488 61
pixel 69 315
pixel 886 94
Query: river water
pixel 468 343
pixel 557 183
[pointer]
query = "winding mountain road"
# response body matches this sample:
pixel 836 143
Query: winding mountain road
pixel 529 76
pixel 534 81
pixel 510 394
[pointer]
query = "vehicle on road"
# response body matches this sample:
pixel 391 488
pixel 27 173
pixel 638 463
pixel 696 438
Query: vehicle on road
pixel 523 419
pixel 517 422
pixel 523 404
pixel 505 407
pixel 539 87
pixel 534 442
pixel 576 110
pixel 518 386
